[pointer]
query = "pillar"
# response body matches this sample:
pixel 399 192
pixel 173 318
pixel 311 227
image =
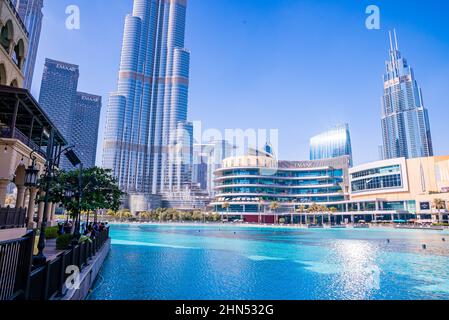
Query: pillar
pixel 40 211
pixel 20 196
pixel 53 212
pixel 31 207
pixel 3 191
pixel 49 210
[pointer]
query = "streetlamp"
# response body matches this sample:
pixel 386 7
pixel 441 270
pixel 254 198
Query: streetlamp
pixel 68 194
pixel 31 173
pixel 40 258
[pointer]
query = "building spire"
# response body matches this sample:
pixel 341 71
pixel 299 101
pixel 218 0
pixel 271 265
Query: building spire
pixel 391 41
pixel 396 40
pixel 394 44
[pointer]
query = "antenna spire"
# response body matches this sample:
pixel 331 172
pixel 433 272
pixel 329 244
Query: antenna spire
pixel 391 41
pixel 396 40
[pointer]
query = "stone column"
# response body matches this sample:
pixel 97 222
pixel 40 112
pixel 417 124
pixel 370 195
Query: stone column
pixel 40 211
pixel 53 213
pixel 49 210
pixel 3 190
pixel 31 207
pixel 20 196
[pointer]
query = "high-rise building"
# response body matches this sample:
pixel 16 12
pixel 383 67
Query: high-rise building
pixel 30 11
pixel 201 162
pixel 405 120
pixel 74 113
pixel 332 144
pixel 86 118
pixel 58 94
pixel 150 106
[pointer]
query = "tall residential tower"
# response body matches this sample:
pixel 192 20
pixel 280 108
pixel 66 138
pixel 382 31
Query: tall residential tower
pixel 405 120
pixel 143 144
pixel 30 11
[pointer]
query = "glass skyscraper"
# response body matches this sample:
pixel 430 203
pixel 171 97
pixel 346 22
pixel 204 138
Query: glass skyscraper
pixel 332 144
pixel 405 120
pixel 86 119
pixel 58 93
pixel 75 114
pixel 30 11
pixel 149 108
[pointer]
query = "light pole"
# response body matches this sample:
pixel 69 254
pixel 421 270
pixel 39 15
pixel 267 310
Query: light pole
pixel 40 258
pixel 76 233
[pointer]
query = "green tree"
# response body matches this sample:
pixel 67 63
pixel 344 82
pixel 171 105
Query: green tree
pixel 99 190
pixel 145 215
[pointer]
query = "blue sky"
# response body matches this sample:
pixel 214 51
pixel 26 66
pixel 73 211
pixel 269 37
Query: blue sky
pixel 294 65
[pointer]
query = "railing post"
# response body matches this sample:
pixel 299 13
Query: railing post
pixel 28 262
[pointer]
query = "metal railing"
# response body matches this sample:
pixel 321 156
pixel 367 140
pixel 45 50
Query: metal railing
pixel 12 218
pixel 48 281
pixel 19 281
pixel 6 133
pixel 15 266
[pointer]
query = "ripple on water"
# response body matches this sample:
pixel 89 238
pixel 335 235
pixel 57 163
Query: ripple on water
pixel 147 244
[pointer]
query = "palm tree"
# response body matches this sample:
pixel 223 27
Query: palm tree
pixel 323 210
pixel 301 209
pixel 226 206
pixel 314 208
pixel 111 213
pixel 145 215
pixel 332 211
pixel 439 205
pixel 273 207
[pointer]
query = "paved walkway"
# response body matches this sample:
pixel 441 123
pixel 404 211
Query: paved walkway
pixel 50 249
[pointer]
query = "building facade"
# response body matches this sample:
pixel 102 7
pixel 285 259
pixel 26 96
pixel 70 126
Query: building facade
pixel 150 105
pixel 13 46
pixel 201 153
pixel 86 119
pixel 58 93
pixel 76 114
pixel 331 144
pixel 407 186
pixel 387 190
pixel 30 11
pixel 250 184
pixel 405 120
pixel 208 157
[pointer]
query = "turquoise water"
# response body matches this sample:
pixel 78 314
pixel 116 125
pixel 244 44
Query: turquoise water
pixel 149 262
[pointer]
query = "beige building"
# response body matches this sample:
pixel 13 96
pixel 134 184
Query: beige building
pixel 25 130
pixel 13 45
pixel 401 185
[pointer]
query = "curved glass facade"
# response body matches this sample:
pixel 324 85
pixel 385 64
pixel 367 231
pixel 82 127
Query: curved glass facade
pixel 248 188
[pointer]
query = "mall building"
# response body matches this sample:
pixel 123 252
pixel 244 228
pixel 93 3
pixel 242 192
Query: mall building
pixel 263 189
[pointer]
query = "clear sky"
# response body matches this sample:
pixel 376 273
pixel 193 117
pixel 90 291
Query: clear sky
pixel 300 66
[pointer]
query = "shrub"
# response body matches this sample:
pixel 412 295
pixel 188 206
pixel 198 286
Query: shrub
pixel 63 241
pixel 51 232
pixel 440 224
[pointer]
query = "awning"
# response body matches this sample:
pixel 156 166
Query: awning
pixel 31 120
